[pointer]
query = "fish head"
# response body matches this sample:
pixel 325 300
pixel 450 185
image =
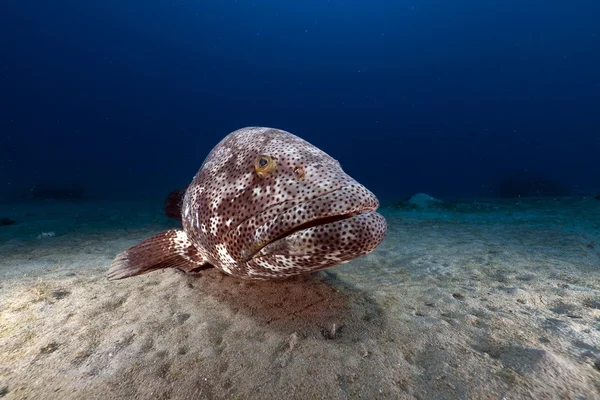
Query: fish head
pixel 267 204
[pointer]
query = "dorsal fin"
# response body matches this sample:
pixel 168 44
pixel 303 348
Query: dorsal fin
pixel 173 204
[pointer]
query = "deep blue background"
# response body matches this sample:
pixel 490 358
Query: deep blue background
pixel 448 97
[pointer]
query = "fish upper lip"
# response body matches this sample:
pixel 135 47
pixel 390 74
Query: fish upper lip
pixel 280 203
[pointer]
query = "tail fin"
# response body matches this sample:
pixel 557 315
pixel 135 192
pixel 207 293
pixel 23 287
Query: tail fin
pixel 173 204
pixel 170 249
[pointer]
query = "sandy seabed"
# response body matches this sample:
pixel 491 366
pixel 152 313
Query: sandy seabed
pixel 473 300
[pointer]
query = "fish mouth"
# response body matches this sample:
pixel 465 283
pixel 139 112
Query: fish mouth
pixel 320 243
pixel 320 213
pixel 321 221
pixel 305 226
pixel 296 236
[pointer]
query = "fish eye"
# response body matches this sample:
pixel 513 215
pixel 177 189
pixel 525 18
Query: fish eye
pixel 264 164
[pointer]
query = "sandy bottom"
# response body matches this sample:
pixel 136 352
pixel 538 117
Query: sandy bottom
pixel 474 301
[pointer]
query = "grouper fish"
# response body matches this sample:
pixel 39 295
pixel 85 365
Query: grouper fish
pixel 265 204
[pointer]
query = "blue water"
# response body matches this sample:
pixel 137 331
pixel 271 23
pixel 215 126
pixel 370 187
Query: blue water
pixel 490 290
pixel 126 98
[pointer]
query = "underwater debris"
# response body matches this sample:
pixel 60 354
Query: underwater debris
pixel 530 185
pixel 419 201
pixel 46 191
pixel 333 332
pixel 49 348
pixel 5 221
pixel 60 293
pixel 46 235
pixel 423 200
pixel 182 317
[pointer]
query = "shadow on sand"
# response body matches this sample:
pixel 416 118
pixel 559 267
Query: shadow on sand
pixel 315 305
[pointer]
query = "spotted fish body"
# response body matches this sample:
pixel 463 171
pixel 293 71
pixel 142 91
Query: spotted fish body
pixel 265 204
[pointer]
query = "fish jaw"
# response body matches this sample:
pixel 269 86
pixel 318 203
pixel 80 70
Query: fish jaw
pixel 343 202
pixel 305 237
pixel 318 247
